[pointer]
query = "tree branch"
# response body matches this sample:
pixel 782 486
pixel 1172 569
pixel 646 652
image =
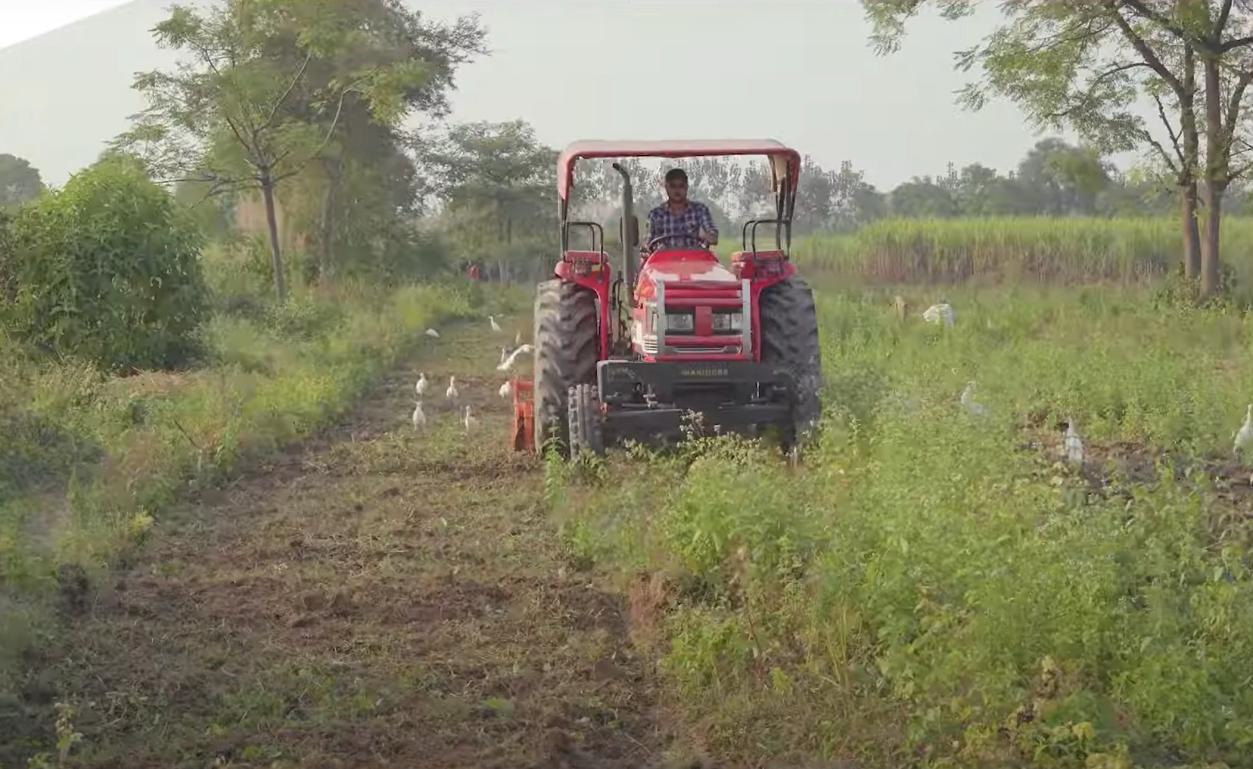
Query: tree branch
pixel 330 131
pixel 1145 50
pixel 1238 172
pixel 1170 163
pixel 1234 43
pixel 1223 13
pixel 1170 130
pixel 1092 86
pixel 1157 18
pixel 304 65
pixel 1233 103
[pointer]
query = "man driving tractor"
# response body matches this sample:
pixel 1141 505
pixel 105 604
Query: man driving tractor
pixel 679 222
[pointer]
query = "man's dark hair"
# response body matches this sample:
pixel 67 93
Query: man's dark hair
pixel 676 174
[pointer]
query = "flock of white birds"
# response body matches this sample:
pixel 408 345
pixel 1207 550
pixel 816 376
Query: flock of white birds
pixel 938 314
pixel 508 359
pixel 1072 443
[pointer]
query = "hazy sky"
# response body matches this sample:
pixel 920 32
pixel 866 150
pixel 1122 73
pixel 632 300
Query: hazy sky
pixel 24 19
pixel 797 70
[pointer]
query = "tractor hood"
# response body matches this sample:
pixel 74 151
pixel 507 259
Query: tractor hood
pixel 690 268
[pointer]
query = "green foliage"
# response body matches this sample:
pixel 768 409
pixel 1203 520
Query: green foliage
pixel 273 88
pixel 946 578
pixel 107 269
pixel 496 180
pixel 19 182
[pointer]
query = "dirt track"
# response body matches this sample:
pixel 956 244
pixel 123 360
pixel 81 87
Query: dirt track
pixel 370 598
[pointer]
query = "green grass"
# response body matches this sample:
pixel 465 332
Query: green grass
pixel 939 589
pixel 89 462
pixel 1039 249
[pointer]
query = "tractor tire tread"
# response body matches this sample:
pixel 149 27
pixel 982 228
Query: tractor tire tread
pixel 789 336
pixel 566 352
pixel 586 431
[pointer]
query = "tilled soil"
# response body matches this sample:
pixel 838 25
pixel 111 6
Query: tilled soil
pixel 374 597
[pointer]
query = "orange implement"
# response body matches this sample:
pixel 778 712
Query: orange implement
pixel 523 415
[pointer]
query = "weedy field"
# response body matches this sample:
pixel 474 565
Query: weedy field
pixel 90 462
pixel 935 587
pixel 929 587
pixel 1075 250
pixel 374 596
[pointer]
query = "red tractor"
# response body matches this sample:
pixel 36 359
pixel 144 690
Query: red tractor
pixel 630 353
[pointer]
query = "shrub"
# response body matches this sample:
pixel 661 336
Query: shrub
pixel 107 269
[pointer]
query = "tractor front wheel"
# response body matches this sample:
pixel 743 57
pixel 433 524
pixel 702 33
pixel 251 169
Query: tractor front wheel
pixel 789 337
pixel 585 421
pixel 566 352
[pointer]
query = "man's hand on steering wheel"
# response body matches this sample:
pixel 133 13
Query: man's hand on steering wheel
pixel 700 235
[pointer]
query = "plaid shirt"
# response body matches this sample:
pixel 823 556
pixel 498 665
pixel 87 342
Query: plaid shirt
pixel 693 219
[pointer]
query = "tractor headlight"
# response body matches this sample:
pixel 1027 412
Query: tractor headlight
pixel 682 322
pixel 728 322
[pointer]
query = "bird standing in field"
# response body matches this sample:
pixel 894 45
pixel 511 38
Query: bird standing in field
pixel 1072 444
pixel 422 385
pixel 1244 438
pixel 419 417
pixel 941 313
pixel 517 339
pixel 902 307
pixel 506 389
pixel 496 329
pixel 452 393
pixel 469 421
pixel 504 354
pixel 507 363
pixel 968 401
pixel 432 333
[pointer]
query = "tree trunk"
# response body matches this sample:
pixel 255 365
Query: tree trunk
pixel 1215 178
pixel 276 254
pixel 1213 200
pixel 1191 235
pixel 1188 167
pixel 326 259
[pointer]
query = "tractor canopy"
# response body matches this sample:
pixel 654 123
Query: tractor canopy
pixel 785 163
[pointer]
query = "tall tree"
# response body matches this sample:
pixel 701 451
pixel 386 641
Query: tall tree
pixel 380 35
pixel 1088 65
pixel 226 117
pixel 19 181
pixel 495 181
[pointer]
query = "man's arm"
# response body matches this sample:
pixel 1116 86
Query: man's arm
pixel 652 225
pixel 707 225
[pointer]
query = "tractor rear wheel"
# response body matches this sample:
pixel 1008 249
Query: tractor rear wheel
pixel 566 352
pixel 789 337
pixel 585 421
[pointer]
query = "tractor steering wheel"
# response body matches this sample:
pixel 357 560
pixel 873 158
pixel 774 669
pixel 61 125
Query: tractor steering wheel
pixel 651 247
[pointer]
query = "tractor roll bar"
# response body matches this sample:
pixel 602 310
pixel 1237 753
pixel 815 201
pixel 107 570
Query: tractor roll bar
pixel 597 232
pixel 780 226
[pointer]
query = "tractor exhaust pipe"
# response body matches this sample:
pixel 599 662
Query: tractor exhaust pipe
pixel 630 232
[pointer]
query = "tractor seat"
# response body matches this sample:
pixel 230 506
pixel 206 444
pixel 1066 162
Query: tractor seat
pixel 745 263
